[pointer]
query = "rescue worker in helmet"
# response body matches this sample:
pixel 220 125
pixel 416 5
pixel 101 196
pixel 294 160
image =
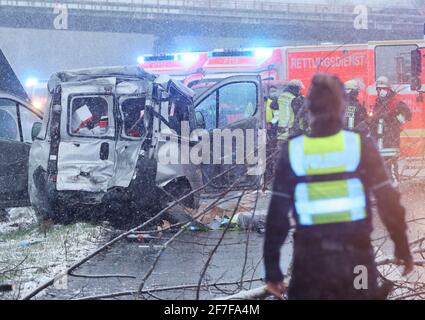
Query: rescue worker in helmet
pixel 301 122
pixel 326 182
pixel 355 114
pixel 272 121
pixel 388 116
pixel 290 102
pixel 272 108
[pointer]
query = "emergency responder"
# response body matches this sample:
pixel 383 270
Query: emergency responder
pixel 301 122
pixel 272 120
pixel 290 102
pixel 388 115
pixel 355 114
pixel 272 108
pixel 326 179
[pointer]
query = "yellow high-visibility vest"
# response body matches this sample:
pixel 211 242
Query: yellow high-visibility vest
pixel 286 114
pixel 324 193
pixel 272 116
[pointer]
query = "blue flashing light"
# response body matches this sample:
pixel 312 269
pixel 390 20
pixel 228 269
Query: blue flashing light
pixel 31 82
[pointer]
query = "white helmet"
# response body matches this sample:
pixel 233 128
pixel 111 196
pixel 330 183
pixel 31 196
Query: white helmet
pixel 383 82
pixel 352 85
pixel 296 83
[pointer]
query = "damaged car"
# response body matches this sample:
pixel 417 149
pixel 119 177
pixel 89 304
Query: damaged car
pixel 17 117
pixel 97 148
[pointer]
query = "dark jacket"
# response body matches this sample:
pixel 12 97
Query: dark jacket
pixel 300 116
pixel 375 180
pixel 354 107
pixel 388 109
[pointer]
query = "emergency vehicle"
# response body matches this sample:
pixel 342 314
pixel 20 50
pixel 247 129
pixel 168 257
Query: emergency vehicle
pixel 200 70
pixel 220 64
pixel 176 65
pixel 400 61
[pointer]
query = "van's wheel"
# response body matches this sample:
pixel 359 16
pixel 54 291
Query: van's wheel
pixel 55 216
pixel 126 210
pixel 127 215
pixel 176 190
pixel 44 202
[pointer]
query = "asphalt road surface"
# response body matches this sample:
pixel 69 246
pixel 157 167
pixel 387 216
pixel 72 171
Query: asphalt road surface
pixel 182 262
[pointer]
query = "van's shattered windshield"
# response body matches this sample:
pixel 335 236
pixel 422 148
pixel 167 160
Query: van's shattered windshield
pixel 212 149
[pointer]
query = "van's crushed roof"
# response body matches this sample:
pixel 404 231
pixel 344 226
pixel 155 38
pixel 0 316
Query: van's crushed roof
pixel 99 72
pixel 167 82
pixel 123 72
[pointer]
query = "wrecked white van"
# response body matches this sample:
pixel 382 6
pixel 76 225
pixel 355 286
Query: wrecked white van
pixel 97 148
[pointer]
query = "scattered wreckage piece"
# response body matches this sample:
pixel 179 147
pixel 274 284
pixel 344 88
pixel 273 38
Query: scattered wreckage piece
pixel 244 219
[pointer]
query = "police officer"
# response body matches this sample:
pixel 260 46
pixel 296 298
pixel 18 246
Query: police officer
pixel 388 115
pixel 290 102
pixel 355 113
pixel 326 179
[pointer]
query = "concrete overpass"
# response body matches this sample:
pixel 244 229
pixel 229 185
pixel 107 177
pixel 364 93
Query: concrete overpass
pixel 168 19
pixel 115 32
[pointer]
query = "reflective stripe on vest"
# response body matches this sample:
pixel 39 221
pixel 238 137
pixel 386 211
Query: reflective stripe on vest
pixel 389 152
pixel 328 201
pixel 325 155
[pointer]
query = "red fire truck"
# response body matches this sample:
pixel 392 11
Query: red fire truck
pixel 400 61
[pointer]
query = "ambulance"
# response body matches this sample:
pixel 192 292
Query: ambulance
pixel 176 65
pixel 268 63
pixel 400 61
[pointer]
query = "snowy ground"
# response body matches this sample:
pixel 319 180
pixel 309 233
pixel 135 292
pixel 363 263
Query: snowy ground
pixel 30 256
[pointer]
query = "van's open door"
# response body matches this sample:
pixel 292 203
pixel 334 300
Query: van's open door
pixel 86 154
pixel 232 111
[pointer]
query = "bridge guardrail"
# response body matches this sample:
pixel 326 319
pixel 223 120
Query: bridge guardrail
pixel 249 5
pixel 249 9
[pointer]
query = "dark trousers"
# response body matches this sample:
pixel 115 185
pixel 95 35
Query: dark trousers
pixel 327 272
pixel 271 148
